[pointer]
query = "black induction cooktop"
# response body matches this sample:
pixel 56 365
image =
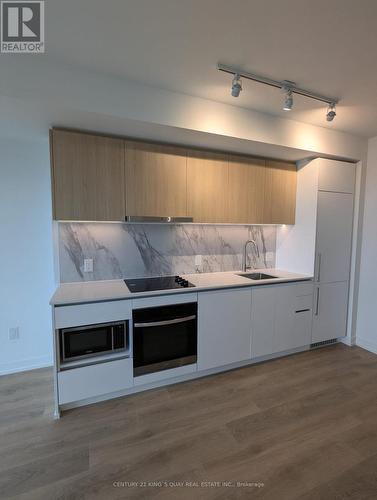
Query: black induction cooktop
pixel 158 283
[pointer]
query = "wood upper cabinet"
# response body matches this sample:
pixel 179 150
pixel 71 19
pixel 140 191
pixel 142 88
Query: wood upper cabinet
pixel 280 193
pixel 156 180
pixel 106 179
pixel 247 182
pixel 207 186
pixel 87 176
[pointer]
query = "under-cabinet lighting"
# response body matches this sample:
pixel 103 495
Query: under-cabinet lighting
pixel 164 223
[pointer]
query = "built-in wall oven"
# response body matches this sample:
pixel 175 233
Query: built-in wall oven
pixel 164 337
pixel 83 342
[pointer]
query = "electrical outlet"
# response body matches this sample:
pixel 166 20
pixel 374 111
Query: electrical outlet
pixel 14 333
pixel 198 263
pixel 270 256
pixel 198 260
pixel 88 265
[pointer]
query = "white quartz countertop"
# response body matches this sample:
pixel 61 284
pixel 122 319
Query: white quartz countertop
pixel 97 291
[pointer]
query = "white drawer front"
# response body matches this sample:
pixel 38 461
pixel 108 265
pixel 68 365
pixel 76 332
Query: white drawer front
pixel 305 288
pixel 164 300
pixel 304 302
pixel 90 314
pixel 95 380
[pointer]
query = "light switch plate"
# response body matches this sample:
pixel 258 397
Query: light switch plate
pixel 88 265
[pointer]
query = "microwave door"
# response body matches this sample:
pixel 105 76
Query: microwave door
pixel 84 342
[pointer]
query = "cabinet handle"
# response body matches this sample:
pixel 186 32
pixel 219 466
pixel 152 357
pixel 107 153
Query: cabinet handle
pixel 319 260
pixel 317 305
pixel 164 322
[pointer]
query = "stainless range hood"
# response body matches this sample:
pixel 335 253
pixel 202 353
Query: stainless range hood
pixel 153 219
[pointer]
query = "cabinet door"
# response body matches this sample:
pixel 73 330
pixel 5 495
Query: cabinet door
pixel 280 193
pixel 246 190
pixel 95 380
pixel 293 317
pixel 262 321
pixel 334 236
pixel 87 177
pixel 337 176
pixel 207 186
pixel 330 311
pixel 155 180
pixel 281 318
pixel 224 327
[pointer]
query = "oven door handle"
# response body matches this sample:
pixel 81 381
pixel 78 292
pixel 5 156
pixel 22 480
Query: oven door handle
pixel 166 322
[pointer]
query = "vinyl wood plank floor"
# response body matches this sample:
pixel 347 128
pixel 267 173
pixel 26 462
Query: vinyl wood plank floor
pixel 300 427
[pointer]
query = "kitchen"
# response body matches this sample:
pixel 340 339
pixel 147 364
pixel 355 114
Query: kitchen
pixel 136 333
pixel 187 265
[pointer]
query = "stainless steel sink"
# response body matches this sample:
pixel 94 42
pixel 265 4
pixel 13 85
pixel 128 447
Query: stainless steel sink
pixel 257 276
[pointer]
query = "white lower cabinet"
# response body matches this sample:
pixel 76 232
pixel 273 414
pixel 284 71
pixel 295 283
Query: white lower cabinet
pixel 89 314
pixel 234 325
pixel 94 380
pixel 224 327
pixel 262 321
pixel 330 311
pixel 281 318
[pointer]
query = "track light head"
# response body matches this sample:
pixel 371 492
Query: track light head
pixel 288 102
pixel 288 99
pixel 236 85
pixel 331 112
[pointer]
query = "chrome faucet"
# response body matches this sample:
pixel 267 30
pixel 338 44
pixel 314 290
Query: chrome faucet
pixel 244 264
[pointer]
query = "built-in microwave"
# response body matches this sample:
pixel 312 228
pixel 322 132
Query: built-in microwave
pixel 92 340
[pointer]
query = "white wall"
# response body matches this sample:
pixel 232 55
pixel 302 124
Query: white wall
pixel 26 265
pixel 68 94
pixel 366 331
pixel 36 95
pixel 295 245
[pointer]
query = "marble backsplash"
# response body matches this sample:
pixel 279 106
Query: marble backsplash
pixel 134 250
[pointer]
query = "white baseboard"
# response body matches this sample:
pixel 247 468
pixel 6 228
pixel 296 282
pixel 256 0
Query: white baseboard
pixel 25 364
pixel 367 344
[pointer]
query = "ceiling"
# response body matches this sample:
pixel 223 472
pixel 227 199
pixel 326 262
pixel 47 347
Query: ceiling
pixel 327 46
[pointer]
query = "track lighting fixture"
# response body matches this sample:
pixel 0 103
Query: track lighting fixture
pixel 331 112
pixel 236 85
pixel 288 99
pixel 288 87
